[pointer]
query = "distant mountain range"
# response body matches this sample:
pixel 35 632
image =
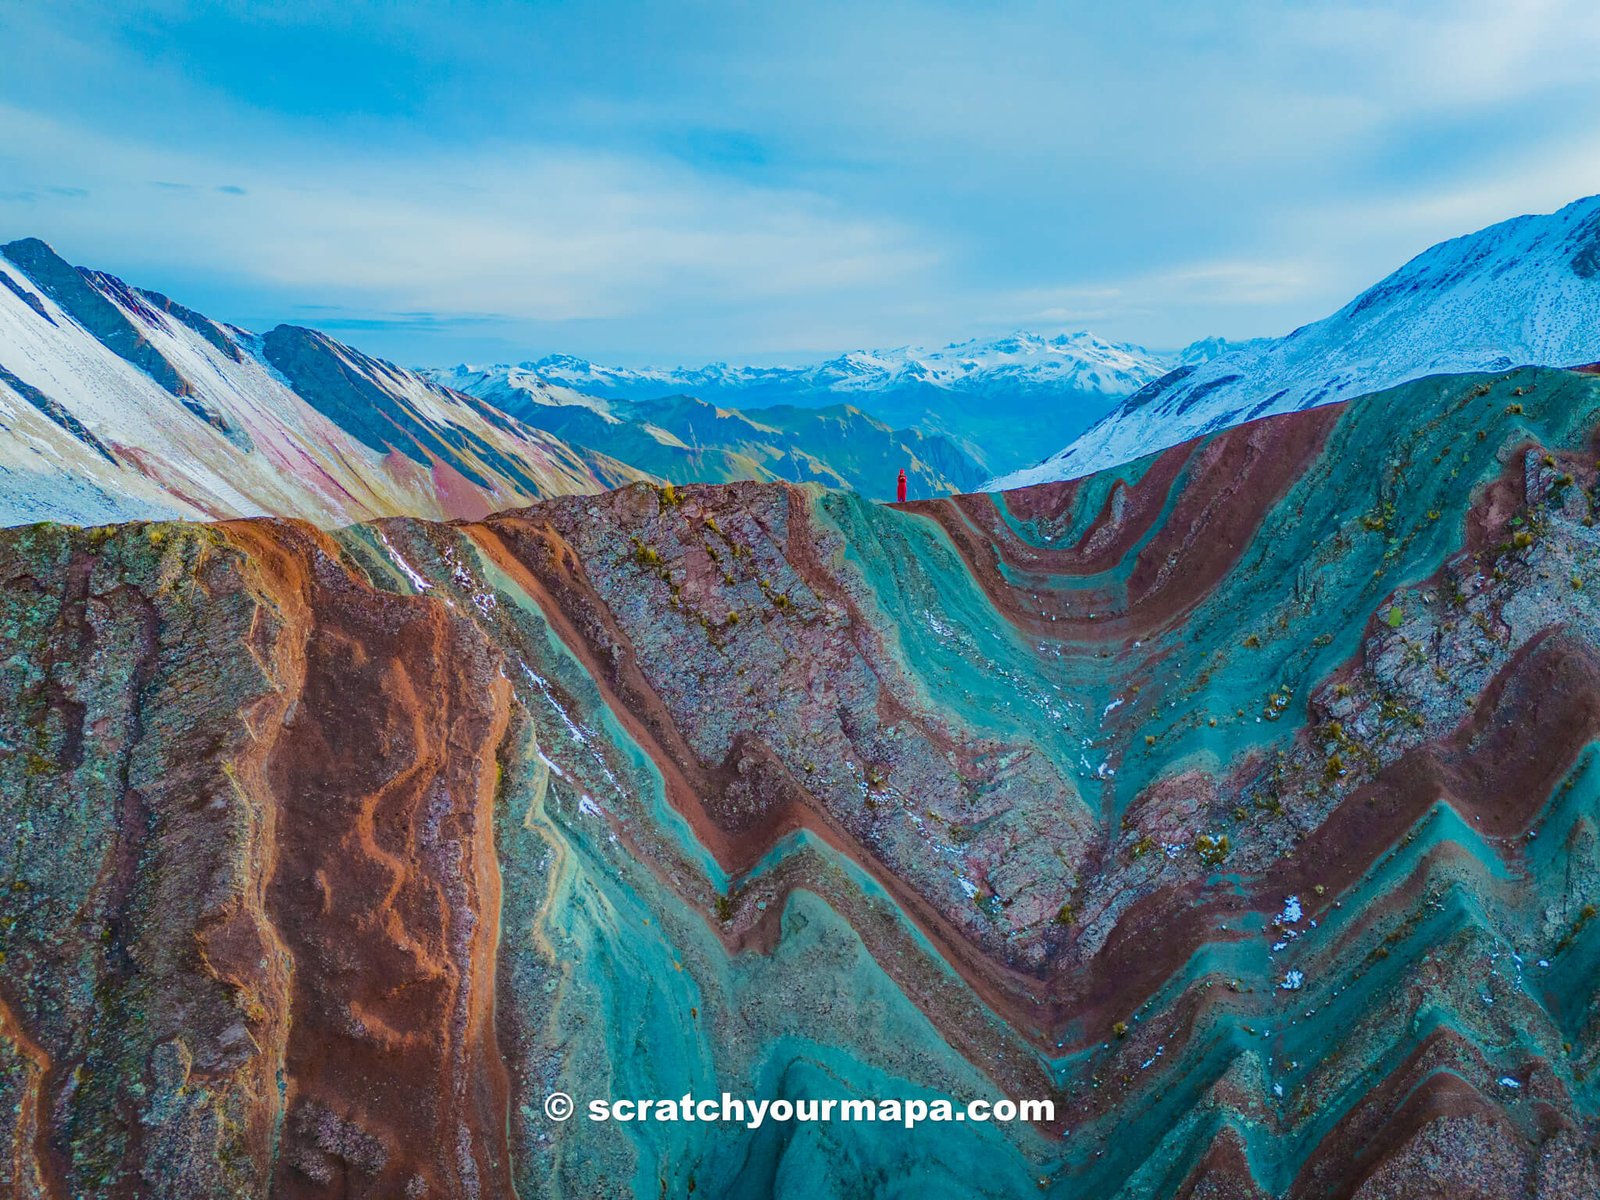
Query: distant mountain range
pixel 1525 291
pixel 1006 401
pixel 685 439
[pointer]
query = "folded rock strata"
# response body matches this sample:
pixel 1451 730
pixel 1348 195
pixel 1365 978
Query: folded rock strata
pixel 1242 800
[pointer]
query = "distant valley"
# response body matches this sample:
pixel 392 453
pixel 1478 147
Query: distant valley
pixel 1007 401
pixel 684 439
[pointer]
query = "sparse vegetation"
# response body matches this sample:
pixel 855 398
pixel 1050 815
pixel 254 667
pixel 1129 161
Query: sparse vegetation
pixel 1213 851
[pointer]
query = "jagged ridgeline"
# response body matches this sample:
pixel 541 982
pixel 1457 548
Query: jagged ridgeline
pixel 120 404
pixel 1242 799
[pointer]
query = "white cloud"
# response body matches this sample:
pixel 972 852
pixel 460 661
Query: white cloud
pixel 1456 55
pixel 533 233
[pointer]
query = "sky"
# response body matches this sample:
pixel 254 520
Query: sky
pixel 680 183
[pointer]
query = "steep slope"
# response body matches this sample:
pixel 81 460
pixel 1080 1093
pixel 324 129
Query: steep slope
pixel 686 440
pixel 117 403
pixel 1244 801
pixel 1006 401
pixel 1525 291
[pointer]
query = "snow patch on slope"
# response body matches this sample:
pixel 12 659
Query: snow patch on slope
pixel 1525 291
pixel 88 435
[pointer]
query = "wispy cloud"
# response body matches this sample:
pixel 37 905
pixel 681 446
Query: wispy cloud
pixel 1220 287
pixel 540 233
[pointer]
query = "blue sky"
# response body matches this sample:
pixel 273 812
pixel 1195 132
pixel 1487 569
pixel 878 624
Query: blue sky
pixel 680 183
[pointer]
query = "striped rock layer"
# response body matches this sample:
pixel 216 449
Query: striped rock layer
pixel 1242 800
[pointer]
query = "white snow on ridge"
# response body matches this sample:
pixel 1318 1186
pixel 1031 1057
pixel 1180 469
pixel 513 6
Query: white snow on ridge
pixel 48 473
pixel 88 437
pixel 1078 360
pixel 1525 291
pixel 500 383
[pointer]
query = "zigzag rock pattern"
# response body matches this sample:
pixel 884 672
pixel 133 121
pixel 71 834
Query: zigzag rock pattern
pixel 1242 800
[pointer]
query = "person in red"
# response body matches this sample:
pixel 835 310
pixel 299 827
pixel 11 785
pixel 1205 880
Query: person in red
pixel 900 487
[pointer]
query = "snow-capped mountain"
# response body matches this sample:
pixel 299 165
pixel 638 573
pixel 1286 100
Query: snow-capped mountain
pixel 1205 349
pixel 118 404
pixel 688 440
pixel 1069 359
pixel 1007 400
pixel 518 390
pixel 1525 291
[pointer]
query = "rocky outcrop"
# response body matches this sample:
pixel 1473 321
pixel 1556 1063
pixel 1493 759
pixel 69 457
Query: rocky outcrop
pixel 1242 801
pixel 228 879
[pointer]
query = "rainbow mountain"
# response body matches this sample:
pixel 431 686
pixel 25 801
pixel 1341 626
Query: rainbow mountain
pixel 1241 799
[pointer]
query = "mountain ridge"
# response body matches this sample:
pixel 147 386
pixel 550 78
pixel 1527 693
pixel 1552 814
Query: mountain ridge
pixel 121 403
pixel 1525 291
pixel 1001 398
pixel 118 403
pixel 1066 355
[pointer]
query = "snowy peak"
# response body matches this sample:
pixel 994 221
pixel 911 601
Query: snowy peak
pixel 1206 349
pixel 1522 292
pixel 1006 401
pixel 102 304
pixel 1109 366
pixel 118 403
pixel 526 384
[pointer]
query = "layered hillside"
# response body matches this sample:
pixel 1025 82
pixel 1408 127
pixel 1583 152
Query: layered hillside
pixel 1243 800
pixel 117 404
pixel 1525 291
pixel 683 439
pixel 1007 401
